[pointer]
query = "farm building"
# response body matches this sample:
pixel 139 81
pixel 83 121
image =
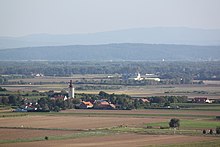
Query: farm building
pixel 59 97
pixel 200 100
pixel 85 105
pixel 102 104
pixel 144 100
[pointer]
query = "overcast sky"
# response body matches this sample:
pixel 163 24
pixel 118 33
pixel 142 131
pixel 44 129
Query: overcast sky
pixel 23 17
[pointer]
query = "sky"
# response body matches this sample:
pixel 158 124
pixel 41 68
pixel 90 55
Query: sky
pixel 24 17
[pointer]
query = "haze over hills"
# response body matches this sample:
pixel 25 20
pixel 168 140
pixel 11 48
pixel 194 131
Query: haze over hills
pixel 114 52
pixel 157 35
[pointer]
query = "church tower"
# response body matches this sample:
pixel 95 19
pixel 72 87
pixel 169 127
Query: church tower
pixel 71 90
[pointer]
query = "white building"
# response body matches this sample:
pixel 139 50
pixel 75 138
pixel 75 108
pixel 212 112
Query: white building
pixel 138 78
pixel 71 90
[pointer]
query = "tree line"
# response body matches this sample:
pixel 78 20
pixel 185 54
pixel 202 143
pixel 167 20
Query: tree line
pixel 182 72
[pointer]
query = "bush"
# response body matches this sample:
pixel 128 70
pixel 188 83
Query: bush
pixel 161 127
pixel 3 89
pixel 217 130
pixel 174 123
pixel 46 137
pixel 57 109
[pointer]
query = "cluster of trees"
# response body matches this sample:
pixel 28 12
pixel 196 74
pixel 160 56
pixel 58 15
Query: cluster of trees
pixel 56 104
pixel 17 98
pixel 3 80
pixel 176 72
pixel 14 100
pixel 3 89
pixel 166 100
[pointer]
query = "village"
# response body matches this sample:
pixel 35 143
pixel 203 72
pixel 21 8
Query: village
pixel 57 101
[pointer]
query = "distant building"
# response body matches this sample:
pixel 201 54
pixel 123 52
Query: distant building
pixel 200 100
pixel 144 100
pixel 151 77
pixel 85 105
pixel 62 97
pixel 138 78
pixel 102 104
pixel 39 75
pixel 71 90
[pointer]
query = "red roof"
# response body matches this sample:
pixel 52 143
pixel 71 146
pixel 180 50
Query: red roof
pixel 87 103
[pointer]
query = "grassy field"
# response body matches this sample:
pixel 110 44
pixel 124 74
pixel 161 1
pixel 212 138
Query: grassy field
pixel 191 124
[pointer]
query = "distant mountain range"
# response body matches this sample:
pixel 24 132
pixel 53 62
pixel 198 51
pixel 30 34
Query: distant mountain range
pixel 114 52
pixel 157 35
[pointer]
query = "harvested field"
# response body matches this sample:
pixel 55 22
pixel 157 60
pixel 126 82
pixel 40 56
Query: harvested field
pixel 209 91
pixel 29 133
pixel 74 122
pixel 122 140
pixel 30 127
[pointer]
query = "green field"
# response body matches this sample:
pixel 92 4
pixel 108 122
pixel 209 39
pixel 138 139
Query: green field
pixel 191 124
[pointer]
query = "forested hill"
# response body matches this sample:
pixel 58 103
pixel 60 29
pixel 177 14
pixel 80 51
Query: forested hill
pixel 115 52
pixel 155 35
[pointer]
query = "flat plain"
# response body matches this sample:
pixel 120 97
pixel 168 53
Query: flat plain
pixel 210 89
pixel 104 128
pixel 141 127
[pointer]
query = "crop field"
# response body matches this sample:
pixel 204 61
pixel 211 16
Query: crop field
pixel 107 127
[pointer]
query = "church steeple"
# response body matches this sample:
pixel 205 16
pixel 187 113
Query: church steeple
pixel 71 90
pixel 71 84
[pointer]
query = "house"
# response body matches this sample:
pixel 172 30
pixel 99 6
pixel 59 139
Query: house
pixel 39 75
pixel 102 104
pixel 209 101
pixel 27 107
pixel 85 105
pixel 59 97
pixel 200 100
pixel 144 100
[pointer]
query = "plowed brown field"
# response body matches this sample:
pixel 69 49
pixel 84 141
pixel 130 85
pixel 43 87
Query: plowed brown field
pixel 119 140
pixel 26 133
pixel 83 120
pixel 74 122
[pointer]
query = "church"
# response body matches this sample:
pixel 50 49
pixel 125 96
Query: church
pixel 71 90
